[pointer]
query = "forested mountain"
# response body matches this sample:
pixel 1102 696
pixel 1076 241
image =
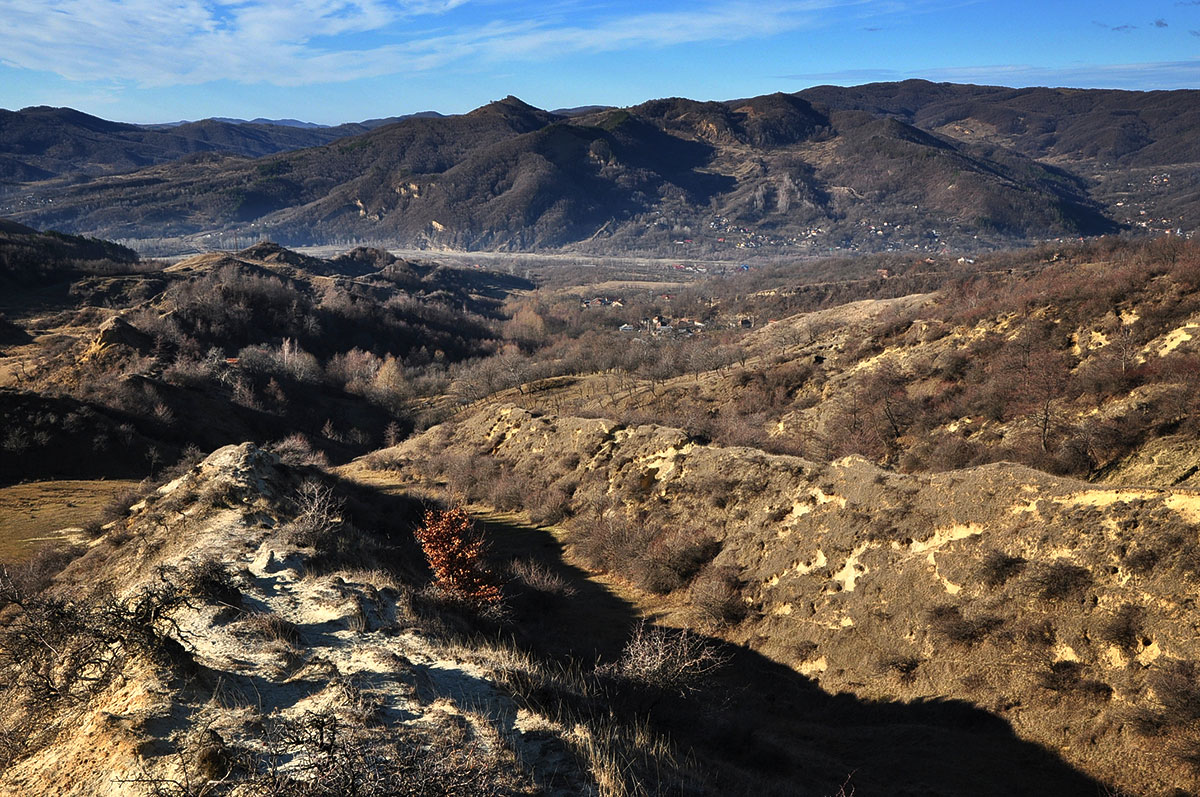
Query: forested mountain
pixel 894 167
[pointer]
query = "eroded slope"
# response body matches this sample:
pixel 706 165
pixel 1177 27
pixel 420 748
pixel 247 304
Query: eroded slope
pixel 1064 608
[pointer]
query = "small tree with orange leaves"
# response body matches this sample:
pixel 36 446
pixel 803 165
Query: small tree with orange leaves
pixel 455 553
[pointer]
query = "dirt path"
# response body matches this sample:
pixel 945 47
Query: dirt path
pixel 596 622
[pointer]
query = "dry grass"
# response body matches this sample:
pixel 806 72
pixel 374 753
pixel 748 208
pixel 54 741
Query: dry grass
pixel 271 628
pixel 33 512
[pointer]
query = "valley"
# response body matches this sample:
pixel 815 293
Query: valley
pixel 828 443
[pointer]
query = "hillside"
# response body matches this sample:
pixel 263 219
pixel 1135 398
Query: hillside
pixel 114 368
pixel 896 524
pixel 891 167
pixel 271 632
pixel 1059 607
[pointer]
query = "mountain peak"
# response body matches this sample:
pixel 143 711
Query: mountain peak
pixel 520 115
pixel 509 103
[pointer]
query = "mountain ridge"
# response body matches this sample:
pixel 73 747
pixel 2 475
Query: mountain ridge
pixel 913 165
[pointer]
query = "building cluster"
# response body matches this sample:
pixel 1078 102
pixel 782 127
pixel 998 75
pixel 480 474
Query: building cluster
pixel 664 325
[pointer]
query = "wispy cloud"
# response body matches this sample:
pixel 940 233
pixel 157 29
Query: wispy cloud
pixel 300 42
pixel 1137 76
pixel 1161 23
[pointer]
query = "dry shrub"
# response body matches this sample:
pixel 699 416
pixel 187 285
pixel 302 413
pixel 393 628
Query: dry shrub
pixel 537 576
pixel 1039 634
pixel 998 567
pixel 550 504
pixel 1067 677
pixel 272 628
pixel 454 550
pixel 386 459
pixel 905 666
pixel 92 640
pixel 537 588
pixel 210 580
pixel 1060 581
pixel 188 459
pixel 223 493
pixel 507 491
pixel 1142 561
pixel 612 543
pixel 118 506
pixel 468 477
pixel 296 450
pixel 948 622
pixel 667 660
pixel 716 594
pixel 318 518
pixel 657 560
pixel 1124 628
pixel 673 558
pixel 1177 713
pixel 47 561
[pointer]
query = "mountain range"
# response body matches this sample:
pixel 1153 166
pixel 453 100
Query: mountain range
pixel 890 166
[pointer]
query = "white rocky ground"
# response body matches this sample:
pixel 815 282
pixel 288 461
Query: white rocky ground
pixel 344 644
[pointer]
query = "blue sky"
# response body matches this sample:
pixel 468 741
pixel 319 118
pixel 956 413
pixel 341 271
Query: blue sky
pixel 331 61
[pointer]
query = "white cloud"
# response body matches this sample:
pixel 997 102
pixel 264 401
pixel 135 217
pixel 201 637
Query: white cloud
pixel 1137 76
pixel 300 42
pixel 1160 74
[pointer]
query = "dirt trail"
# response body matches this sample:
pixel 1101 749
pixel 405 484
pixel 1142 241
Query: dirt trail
pixel 595 623
pixel 598 620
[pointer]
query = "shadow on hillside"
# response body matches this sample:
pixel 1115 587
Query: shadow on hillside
pixel 593 624
pixel 762 728
pixel 46 296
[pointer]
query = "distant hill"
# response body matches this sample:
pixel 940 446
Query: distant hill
pixel 582 110
pixel 347 127
pixel 899 167
pixel 28 257
pixel 1138 128
pixel 41 142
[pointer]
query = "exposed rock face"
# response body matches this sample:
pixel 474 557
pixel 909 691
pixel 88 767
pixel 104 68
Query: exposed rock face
pixel 1064 608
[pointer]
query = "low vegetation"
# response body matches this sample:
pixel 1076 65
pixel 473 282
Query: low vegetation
pixel 586 559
